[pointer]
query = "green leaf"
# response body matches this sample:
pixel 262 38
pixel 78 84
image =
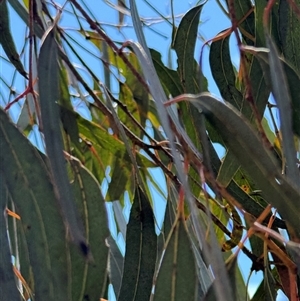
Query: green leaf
pixel 28 182
pixel 223 74
pixel 281 93
pixel 89 279
pixel 8 288
pixel 253 156
pixel 140 254
pixel 229 167
pixel 48 72
pixel 6 39
pixel 115 262
pixel 177 276
pixel 267 290
pixel 247 27
pixel 260 91
pixel 23 14
pixel 292 77
pixel 121 179
pixel 289 30
pixel 184 45
pixel 236 280
pixel 169 78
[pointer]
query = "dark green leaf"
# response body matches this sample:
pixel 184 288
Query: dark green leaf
pixel 253 156
pixel 282 96
pixel 140 254
pixel 28 182
pixel 169 78
pixel 48 71
pixel 89 278
pixel 8 287
pixel 177 276
pixel 229 167
pixel 289 30
pixel 6 39
pixel 223 74
pixel 115 265
pixel 121 179
pixel 184 45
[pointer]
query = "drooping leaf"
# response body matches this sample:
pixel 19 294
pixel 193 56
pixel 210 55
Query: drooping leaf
pixel 236 232
pixel 8 287
pixel 169 78
pixel 281 93
pixel 293 80
pixel 247 28
pixel 121 179
pixel 28 183
pixel 140 254
pixel 289 30
pixel 115 265
pixel 253 156
pixel 48 71
pixel 223 74
pixel 6 39
pixel 184 45
pixel 228 169
pixel 89 279
pixel 177 276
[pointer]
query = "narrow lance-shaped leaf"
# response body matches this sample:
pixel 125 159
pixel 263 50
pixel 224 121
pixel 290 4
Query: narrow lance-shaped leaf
pixel 289 31
pixel 89 278
pixel 48 71
pixel 115 265
pixel 184 45
pixel 8 287
pixel 140 254
pixel 6 39
pixel 228 169
pixel 177 276
pixel 223 73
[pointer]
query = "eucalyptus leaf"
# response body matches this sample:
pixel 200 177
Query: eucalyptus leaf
pixel 177 277
pixel 140 254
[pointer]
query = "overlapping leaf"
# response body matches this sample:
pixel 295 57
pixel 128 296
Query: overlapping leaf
pixel 8 288
pixel 28 182
pixel 253 156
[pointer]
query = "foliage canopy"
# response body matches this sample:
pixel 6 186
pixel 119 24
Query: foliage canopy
pixel 101 137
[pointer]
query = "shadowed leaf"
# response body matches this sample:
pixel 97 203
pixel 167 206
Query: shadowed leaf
pixel 140 254
pixel 177 276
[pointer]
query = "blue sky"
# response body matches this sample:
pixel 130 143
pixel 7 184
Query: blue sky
pixel 212 22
